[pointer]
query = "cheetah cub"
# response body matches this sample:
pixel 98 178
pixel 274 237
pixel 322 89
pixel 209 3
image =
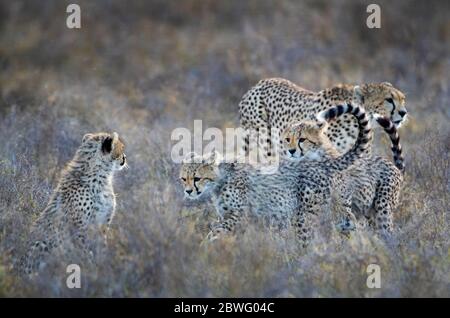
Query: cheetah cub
pixel 372 185
pixel 83 199
pixel 294 192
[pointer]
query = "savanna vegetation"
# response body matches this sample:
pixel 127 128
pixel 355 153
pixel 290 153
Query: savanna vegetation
pixel 143 68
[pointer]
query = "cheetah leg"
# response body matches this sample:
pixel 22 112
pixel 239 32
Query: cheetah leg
pixel 226 225
pixel 347 220
pixel 304 220
pixel 385 203
pixel 303 228
pixel 247 142
pixel 347 224
pixel 259 145
pixel 104 230
pixel 265 150
pixel 232 208
pixel 342 197
pixel 80 240
pixel 33 260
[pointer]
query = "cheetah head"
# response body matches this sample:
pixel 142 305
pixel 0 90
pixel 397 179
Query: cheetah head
pixel 304 140
pixel 198 174
pixel 382 99
pixel 109 149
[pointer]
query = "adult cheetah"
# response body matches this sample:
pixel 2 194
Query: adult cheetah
pixel 273 104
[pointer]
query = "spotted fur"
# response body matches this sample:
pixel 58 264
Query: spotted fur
pixel 295 191
pixel 83 198
pixel 275 104
pixel 371 186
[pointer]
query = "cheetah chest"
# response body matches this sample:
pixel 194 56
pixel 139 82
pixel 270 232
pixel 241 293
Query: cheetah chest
pixel 104 207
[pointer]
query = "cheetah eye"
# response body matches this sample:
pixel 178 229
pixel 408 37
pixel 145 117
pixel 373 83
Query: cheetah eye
pixel 196 179
pixel 288 139
pixel 184 179
pixel 301 140
pixel 390 100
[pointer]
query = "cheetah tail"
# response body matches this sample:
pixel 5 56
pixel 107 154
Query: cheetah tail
pixel 396 148
pixel 364 137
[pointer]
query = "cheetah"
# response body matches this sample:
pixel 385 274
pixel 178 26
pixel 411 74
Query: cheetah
pixel 273 104
pixel 293 192
pixel 84 197
pixel 374 182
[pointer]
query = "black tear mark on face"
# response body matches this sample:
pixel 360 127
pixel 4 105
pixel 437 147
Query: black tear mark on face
pixel 391 101
pixel 312 142
pixel 107 145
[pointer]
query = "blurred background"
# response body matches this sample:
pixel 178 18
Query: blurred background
pixel 143 68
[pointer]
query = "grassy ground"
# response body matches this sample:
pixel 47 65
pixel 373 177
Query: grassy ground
pixel 143 68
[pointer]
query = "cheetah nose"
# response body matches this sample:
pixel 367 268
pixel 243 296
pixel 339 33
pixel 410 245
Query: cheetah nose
pixel 188 191
pixel 291 151
pixel 402 113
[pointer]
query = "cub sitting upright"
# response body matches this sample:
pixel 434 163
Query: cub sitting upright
pixel 83 197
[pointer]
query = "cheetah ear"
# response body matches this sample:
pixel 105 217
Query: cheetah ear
pixel 190 157
pixel 290 127
pixel 86 137
pixel 294 125
pixel 321 125
pixel 358 94
pixel 115 136
pixel 387 84
pixel 107 145
pixel 115 140
pixel 219 158
pixel 212 158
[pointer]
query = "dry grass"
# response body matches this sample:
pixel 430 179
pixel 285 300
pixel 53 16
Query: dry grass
pixel 146 67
